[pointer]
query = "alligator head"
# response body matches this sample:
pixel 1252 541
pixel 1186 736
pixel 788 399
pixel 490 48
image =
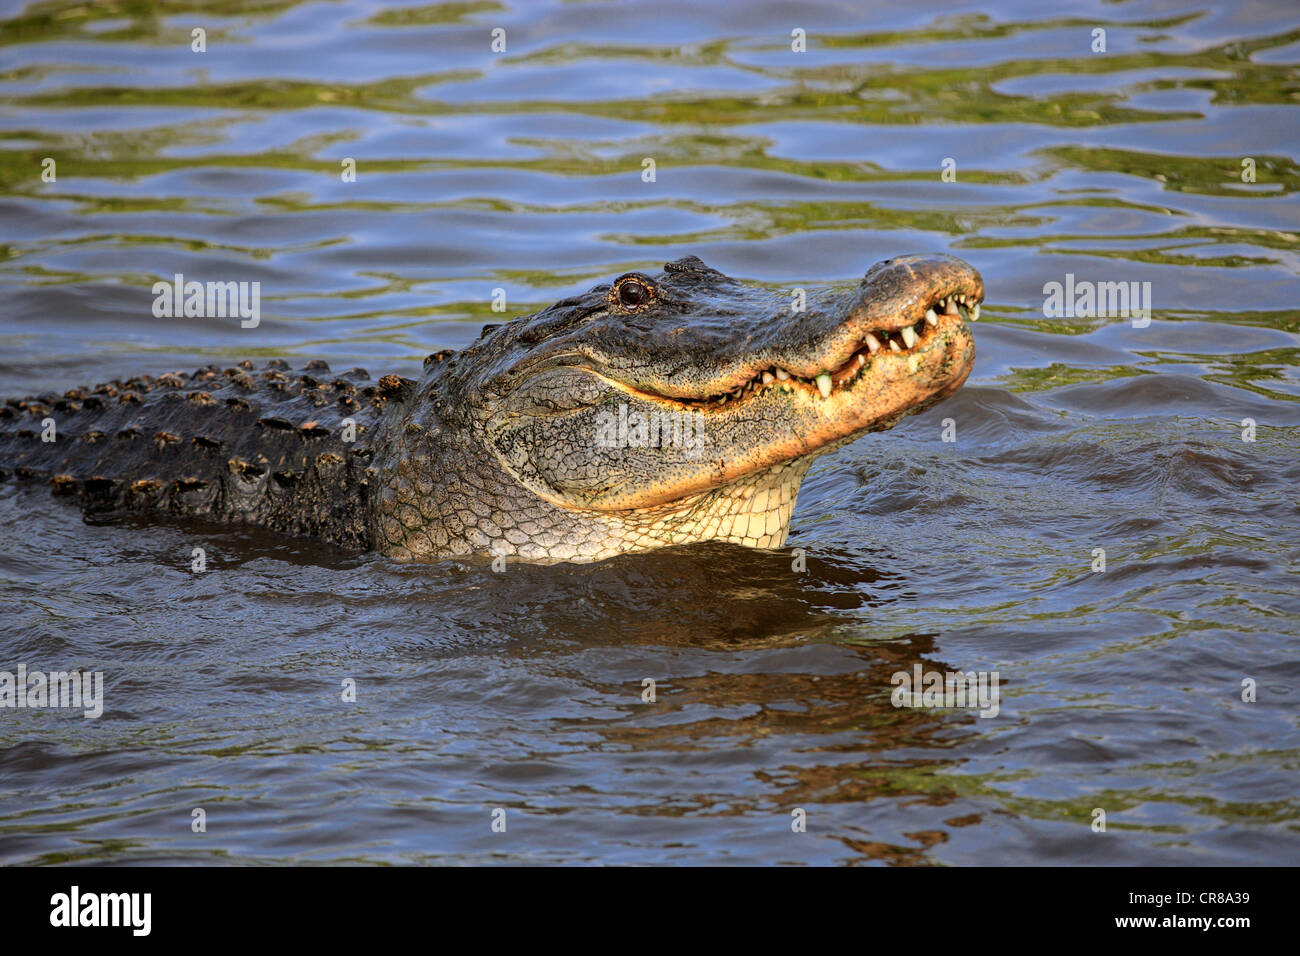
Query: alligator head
pixel 662 409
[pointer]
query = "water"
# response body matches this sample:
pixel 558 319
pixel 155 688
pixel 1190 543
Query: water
pixel 1121 690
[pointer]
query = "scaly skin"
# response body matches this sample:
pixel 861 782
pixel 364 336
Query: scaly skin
pixel 507 447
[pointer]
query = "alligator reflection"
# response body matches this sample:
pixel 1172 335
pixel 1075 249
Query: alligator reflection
pixel 713 595
pixel 760 658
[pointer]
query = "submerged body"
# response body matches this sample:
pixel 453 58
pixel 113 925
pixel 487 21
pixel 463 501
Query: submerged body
pixel 655 410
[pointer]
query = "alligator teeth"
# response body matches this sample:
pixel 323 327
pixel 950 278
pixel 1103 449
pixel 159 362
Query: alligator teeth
pixel 862 360
pixel 893 346
pixel 824 384
pixel 950 305
pixel 975 312
pixel 768 378
pixel 909 337
pixel 873 346
pixel 783 375
pixel 930 317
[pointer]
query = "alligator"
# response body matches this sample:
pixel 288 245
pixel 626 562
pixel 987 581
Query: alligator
pixel 653 410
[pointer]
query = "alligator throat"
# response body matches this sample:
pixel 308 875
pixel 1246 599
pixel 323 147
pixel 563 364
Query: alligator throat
pixel 654 410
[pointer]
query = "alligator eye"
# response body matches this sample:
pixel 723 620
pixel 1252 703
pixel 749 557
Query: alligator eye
pixel 632 293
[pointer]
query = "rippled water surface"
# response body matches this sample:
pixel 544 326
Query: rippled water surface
pixel 1121 690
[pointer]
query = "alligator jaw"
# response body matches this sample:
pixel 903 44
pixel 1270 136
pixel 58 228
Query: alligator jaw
pixel 891 342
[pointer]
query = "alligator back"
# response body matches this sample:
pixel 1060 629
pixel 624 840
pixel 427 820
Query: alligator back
pixel 285 450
